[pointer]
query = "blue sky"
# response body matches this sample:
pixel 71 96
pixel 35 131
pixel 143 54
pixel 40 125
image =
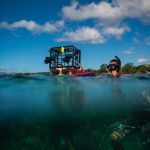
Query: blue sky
pixel 101 29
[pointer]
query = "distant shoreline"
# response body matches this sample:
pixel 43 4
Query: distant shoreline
pixel 127 69
pixel 48 73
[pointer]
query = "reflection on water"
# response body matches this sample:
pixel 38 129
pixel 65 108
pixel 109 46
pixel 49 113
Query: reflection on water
pixel 64 113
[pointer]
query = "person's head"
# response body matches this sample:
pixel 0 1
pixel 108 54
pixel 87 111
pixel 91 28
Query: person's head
pixel 54 71
pixel 60 69
pixel 114 67
pixel 66 71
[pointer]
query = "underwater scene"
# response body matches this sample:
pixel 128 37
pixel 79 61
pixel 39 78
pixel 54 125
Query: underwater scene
pixel 43 112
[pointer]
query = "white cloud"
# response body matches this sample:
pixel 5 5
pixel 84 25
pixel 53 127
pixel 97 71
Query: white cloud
pixel 129 51
pixel 29 25
pixel 109 16
pixel 103 11
pixel 33 26
pixel 147 40
pixel 83 35
pixel 109 13
pixel 143 60
pixel 116 32
pixel 135 9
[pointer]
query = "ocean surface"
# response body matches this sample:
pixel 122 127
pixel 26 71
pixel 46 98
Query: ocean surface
pixel 43 112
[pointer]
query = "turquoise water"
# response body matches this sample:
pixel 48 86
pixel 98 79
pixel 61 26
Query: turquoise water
pixel 42 112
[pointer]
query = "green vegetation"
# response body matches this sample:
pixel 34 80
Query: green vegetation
pixel 103 68
pixel 142 69
pixel 128 68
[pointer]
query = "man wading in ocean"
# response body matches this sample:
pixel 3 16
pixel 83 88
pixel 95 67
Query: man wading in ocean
pixel 114 67
pixel 138 122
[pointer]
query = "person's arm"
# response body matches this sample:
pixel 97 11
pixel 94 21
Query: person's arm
pixel 81 68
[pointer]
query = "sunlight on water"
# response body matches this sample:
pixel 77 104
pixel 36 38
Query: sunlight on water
pixel 58 113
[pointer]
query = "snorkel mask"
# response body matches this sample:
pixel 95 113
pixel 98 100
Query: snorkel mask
pixel 114 64
pixel 112 67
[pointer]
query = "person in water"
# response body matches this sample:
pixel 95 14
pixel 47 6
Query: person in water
pixel 74 70
pixel 114 67
pixel 138 122
pixel 61 70
pixel 80 68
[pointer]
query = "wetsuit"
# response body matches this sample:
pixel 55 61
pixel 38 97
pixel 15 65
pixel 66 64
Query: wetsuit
pixel 139 122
